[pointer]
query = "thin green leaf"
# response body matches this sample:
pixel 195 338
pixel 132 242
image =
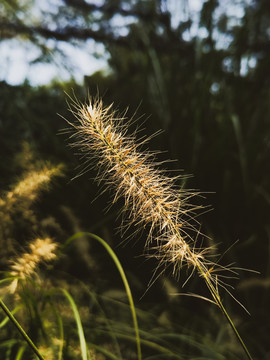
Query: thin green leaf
pixel 20 329
pixel 20 353
pixel 105 352
pixel 124 279
pixel 84 349
pixel 6 319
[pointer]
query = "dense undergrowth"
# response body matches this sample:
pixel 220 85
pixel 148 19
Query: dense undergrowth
pixel 170 326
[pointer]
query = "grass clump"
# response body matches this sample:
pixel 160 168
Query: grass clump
pixel 44 308
pixel 62 317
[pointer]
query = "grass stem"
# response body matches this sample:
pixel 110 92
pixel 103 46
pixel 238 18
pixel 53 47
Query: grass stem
pixel 21 330
pixel 124 279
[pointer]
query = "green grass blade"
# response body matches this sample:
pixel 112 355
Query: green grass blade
pixel 60 326
pixel 20 329
pixel 6 319
pixel 77 317
pixel 20 353
pixel 124 279
pixel 8 279
pixel 105 352
pixel 153 345
pixel 61 330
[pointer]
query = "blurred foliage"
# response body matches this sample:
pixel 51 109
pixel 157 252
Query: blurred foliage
pixel 210 94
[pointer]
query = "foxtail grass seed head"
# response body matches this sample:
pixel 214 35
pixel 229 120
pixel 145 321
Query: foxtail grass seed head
pixel 150 197
pixel 16 204
pixel 28 188
pixel 25 266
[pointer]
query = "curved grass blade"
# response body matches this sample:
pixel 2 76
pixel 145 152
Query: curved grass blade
pixel 77 317
pixel 21 330
pixel 105 352
pixel 108 324
pixel 61 329
pixel 124 279
pixel 6 319
pixel 20 353
pixel 153 345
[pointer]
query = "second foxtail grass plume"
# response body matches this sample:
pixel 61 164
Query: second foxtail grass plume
pixel 151 198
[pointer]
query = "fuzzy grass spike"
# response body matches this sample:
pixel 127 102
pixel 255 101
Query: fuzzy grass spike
pixel 25 266
pixel 152 199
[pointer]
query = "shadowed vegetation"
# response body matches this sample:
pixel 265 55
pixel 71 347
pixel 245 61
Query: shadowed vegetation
pixel 203 78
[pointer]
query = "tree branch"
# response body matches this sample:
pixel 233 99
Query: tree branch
pixel 69 33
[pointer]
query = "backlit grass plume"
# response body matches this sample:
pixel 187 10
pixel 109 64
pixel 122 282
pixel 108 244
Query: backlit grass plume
pixel 151 199
pixel 25 266
pixel 28 188
pixel 16 212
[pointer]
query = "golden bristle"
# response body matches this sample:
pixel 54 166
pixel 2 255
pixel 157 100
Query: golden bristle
pixel 150 196
pixel 25 266
pixel 33 181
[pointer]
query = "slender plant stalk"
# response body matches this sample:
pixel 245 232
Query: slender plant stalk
pixel 124 279
pixel 21 330
pixel 20 353
pixel 219 303
pixel 215 295
pixel 151 198
pixel 84 349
